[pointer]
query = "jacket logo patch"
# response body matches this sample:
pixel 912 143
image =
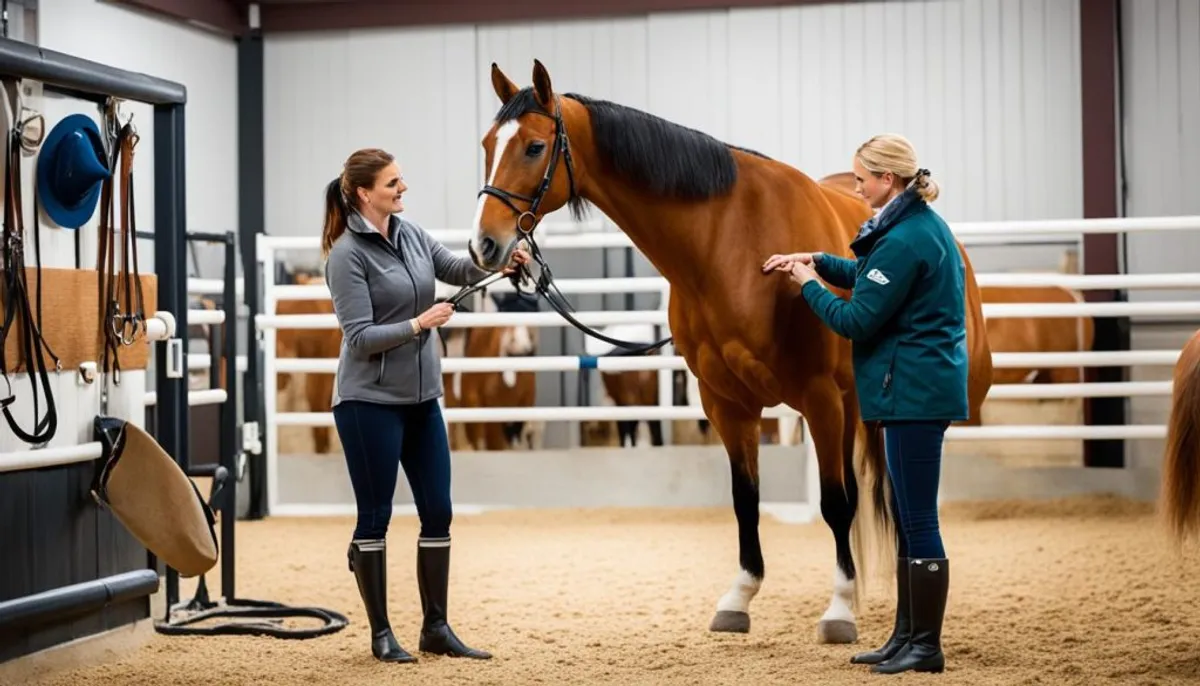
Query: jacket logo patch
pixel 878 277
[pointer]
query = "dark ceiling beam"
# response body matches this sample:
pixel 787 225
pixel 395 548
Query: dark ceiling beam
pixel 222 16
pixel 324 15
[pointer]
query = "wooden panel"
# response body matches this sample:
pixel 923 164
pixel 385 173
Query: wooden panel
pixel 70 320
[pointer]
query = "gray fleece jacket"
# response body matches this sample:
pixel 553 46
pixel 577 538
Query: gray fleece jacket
pixel 378 287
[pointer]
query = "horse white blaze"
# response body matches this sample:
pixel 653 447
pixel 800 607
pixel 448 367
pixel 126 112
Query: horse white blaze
pixel 504 135
pixel 516 341
pixel 843 598
pixel 738 597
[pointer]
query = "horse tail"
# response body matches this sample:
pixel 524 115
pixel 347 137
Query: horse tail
pixel 1180 490
pixel 881 532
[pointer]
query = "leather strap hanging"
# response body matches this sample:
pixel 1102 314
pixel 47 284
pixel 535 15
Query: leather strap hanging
pixel 122 303
pixel 17 307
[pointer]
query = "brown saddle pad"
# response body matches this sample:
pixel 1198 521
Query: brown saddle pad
pixel 152 496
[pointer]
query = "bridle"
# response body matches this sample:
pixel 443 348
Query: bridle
pixel 544 283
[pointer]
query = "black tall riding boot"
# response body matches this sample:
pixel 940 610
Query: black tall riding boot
pixel 929 582
pixel 433 578
pixel 903 627
pixel 368 561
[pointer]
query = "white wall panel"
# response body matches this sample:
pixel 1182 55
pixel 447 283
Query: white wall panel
pixel 1161 70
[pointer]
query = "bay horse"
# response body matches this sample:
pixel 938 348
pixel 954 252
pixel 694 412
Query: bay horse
pixel 707 215
pixel 1179 499
pixel 492 389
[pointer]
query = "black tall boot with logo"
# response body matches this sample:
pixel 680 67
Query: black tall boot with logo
pixel 433 578
pixel 903 627
pixel 929 583
pixel 368 561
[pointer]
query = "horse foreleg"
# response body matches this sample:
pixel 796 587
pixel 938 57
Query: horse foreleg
pixel 627 428
pixel 738 430
pixel 832 428
pixel 656 434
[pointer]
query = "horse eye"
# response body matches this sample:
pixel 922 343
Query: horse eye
pixel 535 148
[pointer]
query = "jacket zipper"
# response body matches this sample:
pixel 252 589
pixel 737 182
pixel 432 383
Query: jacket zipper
pixel 416 307
pixel 383 358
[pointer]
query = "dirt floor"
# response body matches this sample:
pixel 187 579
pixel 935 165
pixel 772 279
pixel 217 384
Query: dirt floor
pixel 1074 592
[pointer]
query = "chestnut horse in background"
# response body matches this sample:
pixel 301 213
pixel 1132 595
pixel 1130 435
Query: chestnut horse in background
pixel 707 215
pixel 308 344
pixel 1180 488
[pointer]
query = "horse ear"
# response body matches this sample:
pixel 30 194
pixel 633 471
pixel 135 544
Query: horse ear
pixel 541 86
pixel 505 88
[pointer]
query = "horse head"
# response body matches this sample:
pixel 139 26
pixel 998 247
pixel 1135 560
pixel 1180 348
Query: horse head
pixel 528 163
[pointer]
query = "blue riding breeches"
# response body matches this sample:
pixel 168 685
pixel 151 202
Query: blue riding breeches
pixel 914 463
pixel 379 439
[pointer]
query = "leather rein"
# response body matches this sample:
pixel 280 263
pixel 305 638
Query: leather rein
pixel 526 222
pixel 17 306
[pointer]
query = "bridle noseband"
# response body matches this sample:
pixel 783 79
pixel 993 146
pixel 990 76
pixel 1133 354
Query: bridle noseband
pixel 544 284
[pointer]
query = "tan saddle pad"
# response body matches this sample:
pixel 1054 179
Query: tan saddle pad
pixel 152 496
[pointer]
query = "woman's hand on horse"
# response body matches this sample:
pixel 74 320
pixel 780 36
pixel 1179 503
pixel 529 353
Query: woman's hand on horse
pixel 783 263
pixel 435 316
pixel 519 256
pixel 802 273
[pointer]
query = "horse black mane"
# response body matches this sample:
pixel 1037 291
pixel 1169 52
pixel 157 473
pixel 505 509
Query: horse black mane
pixel 663 157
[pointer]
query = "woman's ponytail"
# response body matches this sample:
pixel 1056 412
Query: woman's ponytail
pixel 336 212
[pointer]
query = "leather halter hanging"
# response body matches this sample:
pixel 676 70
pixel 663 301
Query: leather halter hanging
pixel 119 325
pixel 17 307
pixel 544 283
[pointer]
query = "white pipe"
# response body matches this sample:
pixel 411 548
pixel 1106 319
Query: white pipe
pixel 650 284
pixel 1072 227
pixel 213 286
pixel 1088 309
pixel 199 361
pixel 1116 389
pixel 49 457
pixel 160 327
pixel 539 414
pixel 1050 432
pixel 1014 231
pixel 199 317
pixel 466 320
pixel 1115 358
pixel 207 396
pixel 1089 282
pixel 546 231
pixel 570 363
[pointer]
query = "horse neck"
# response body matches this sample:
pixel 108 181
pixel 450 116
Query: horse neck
pixel 678 237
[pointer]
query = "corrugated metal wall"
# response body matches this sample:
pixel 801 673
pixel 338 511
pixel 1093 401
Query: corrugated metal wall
pixel 1161 72
pixel 988 90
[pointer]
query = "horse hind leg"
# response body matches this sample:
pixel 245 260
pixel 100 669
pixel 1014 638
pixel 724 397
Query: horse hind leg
pixel 738 430
pixel 833 433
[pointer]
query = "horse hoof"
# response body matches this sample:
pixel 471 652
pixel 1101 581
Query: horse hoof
pixel 836 631
pixel 731 621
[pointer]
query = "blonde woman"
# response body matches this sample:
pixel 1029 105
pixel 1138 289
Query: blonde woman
pixel 907 320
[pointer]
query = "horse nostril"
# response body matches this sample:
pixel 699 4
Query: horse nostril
pixel 488 248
